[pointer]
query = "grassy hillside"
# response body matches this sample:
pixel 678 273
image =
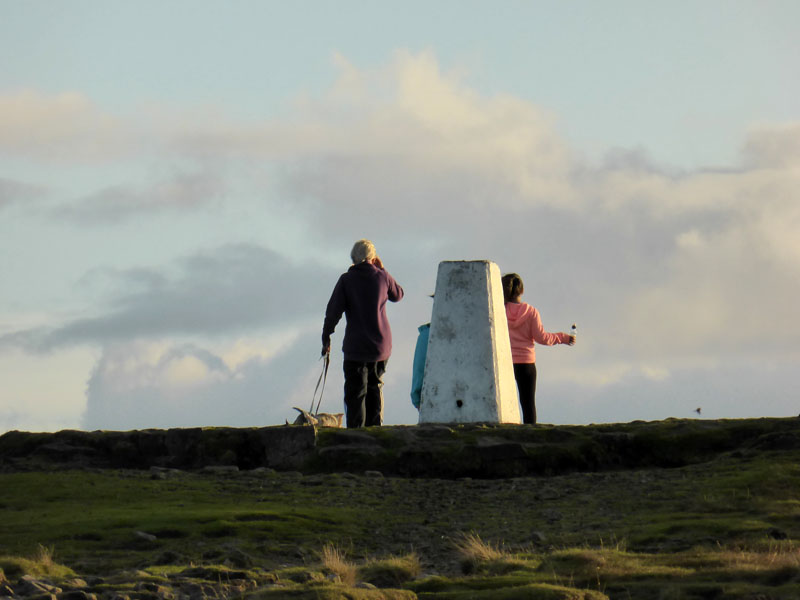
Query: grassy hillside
pixel 725 524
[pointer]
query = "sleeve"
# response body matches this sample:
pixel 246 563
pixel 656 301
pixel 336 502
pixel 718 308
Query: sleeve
pixel 393 289
pixel 333 312
pixel 540 336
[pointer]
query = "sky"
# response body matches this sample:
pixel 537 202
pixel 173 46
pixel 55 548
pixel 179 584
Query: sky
pixel 181 183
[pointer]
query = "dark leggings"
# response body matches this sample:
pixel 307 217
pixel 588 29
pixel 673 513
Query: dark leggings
pixel 363 397
pixel 525 374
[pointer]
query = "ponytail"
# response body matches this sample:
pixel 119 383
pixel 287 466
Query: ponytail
pixel 512 287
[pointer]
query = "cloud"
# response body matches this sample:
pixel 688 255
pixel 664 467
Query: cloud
pixel 222 292
pixel 142 385
pixel 13 192
pixel 668 272
pixel 182 191
pixel 414 158
pixel 776 146
pixel 63 127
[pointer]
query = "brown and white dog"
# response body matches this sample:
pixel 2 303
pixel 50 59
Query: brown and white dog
pixel 318 420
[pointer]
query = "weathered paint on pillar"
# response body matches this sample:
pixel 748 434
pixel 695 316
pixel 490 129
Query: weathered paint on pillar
pixel 469 374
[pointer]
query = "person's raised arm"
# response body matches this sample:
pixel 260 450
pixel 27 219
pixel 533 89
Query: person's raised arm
pixel 540 336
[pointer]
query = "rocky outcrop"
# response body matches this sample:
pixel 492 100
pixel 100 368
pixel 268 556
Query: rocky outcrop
pixel 444 451
pixel 283 448
pixel 195 583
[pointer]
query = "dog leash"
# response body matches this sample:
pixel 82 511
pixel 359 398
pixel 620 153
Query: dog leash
pixel 322 378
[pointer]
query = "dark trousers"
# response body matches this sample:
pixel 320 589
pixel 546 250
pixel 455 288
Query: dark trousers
pixel 525 374
pixel 363 394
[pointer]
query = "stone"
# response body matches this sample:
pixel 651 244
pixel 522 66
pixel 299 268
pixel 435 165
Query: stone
pixel 163 473
pixel 76 595
pixel 552 515
pixel 240 560
pixel 777 534
pixel 469 372
pixel 366 586
pixel 30 586
pixel 537 537
pixel 169 557
pixel 220 469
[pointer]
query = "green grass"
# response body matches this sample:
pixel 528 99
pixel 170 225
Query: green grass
pixel 725 528
pixel 94 518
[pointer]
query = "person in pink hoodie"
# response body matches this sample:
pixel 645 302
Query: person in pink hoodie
pixel 525 328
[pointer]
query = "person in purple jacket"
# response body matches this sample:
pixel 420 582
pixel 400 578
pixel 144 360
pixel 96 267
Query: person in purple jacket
pixel 361 295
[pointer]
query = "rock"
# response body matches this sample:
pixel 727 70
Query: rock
pixel 144 595
pixel 42 597
pixel 777 534
pixel 220 469
pixel 262 472
pixel 163 473
pixel 239 559
pixel 168 558
pixel 537 537
pixel 76 595
pixel 196 591
pixel 146 536
pixel 30 586
pixel 552 515
pixel 376 474
pixel 365 586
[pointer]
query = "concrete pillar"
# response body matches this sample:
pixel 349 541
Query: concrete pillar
pixel 469 374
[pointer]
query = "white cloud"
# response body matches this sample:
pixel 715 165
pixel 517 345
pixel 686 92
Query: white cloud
pixel 141 385
pixel 776 146
pixel 664 270
pixel 64 126
pixel 53 398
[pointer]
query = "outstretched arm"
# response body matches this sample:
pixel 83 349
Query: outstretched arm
pixel 540 336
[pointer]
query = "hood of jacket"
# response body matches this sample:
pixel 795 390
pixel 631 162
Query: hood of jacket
pixel 517 312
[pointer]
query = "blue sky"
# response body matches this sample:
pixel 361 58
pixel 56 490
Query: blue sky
pixel 180 183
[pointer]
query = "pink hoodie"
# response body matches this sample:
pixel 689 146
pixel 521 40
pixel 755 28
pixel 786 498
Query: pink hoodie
pixel 525 328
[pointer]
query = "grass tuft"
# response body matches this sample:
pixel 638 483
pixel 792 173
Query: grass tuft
pixel 475 552
pixel 335 561
pixel 392 571
pixel 41 564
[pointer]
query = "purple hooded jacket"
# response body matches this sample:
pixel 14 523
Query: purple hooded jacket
pixel 361 295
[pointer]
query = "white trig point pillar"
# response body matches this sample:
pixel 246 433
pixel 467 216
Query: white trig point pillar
pixel 469 374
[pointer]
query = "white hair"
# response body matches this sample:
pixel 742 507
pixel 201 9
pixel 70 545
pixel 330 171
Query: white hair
pixel 363 250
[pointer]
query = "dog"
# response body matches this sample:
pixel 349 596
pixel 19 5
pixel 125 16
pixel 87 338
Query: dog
pixel 317 420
